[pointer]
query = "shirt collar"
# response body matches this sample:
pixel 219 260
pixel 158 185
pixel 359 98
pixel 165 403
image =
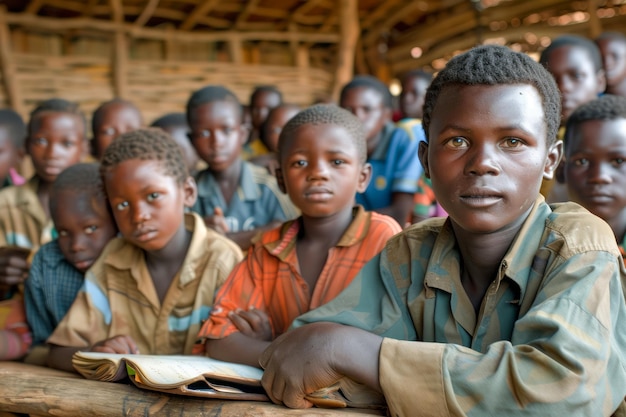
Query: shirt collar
pixel 285 244
pixel 247 189
pixel 380 153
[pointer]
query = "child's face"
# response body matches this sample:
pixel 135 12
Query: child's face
pixel 412 97
pixel 180 135
pixel 56 142
pixel 614 58
pixel 367 104
pixel 275 123
pixel 117 118
pixel 576 77
pixel 217 134
pixel 321 171
pixel 10 156
pixel 595 167
pixel 147 204
pixel 261 106
pixel 488 154
pixel 84 226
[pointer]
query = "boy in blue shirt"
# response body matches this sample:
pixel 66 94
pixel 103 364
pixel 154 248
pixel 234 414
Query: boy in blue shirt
pixel 235 198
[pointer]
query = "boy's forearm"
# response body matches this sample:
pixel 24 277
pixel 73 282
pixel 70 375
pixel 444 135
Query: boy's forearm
pixel 238 348
pixel 60 357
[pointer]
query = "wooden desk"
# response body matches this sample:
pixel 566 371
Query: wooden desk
pixel 42 391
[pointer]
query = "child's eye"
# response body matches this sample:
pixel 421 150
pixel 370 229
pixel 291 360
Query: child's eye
pixel 68 143
pixel 109 131
pixel 40 141
pixel 619 161
pixel 90 229
pixel 579 162
pixel 338 161
pixel 512 143
pixel 62 233
pixel 299 163
pixel 228 130
pixel 121 206
pixel 153 196
pixel 457 142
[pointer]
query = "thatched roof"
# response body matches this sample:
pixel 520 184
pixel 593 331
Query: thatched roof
pixel 401 33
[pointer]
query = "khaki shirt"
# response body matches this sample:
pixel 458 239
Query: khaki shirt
pixel 119 298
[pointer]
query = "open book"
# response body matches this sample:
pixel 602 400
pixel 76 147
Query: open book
pixel 187 375
pixel 205 377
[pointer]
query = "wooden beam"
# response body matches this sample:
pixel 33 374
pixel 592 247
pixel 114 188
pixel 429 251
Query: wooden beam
pixel 595 26
pixel 400 14
pixel 379 13
pixel 117 11
pixel 243 16
pixel 34 6
pixel 89 7
pixel 62 25
pixel 202 9
pixel 147 13
pixel 349 36
pixel 236 50
pixel 11 84
pixel 120 65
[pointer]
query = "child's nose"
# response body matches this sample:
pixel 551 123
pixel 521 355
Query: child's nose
pixel 483 161
pixel 318 170
pixel 140 213
pixel 600 173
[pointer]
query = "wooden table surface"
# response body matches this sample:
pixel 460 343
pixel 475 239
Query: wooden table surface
pixel 41 391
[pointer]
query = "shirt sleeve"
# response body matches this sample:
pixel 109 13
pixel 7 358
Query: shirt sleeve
pixel 407 166
pixel 565 356
pixel 39 319
pixel 88 320
pixel 240 291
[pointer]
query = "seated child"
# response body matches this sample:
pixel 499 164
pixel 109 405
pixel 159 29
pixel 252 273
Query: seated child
pixel 508 307
pixel 235 198
pixel 149 289
pixel 594 167
pixel 269 133
pixel 426 205
pixel 15 336
pixel 110 119
pixel 575 62
pixel 263 99
pixel 176 125
pixel 391 150
pixel 55 140
pixel 308 261
pixel 84 223
pixel 12 136
pixel 613 48
pixel 414 85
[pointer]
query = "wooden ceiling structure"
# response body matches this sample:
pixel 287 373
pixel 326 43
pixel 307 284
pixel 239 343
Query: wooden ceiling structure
pixel 381 37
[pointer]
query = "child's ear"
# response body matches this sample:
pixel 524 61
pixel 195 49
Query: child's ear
pixel 555 153
pixel 364 177
pixel 422 153
pixel 190 192
pixel 280 180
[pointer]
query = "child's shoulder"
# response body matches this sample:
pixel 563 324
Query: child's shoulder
pixel 384 221
pixel 208 240
pixel 416 235
pixel 14 194
pixel 579 230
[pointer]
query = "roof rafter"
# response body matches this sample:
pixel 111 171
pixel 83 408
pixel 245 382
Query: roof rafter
pixel 195 15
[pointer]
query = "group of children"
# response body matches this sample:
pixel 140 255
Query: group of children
pixel 296 261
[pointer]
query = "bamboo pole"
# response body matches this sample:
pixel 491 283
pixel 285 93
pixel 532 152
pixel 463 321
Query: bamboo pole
pixel 595 26
pixel 349 36
pixel 9 77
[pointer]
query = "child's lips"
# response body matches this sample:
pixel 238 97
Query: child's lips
pixel 319 194
pixel 83 264
pixel 143 235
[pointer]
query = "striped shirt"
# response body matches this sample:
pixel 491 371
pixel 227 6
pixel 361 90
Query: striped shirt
pixel 119 298
pixel 256 202
pixel 50 290
pixel 269 279
pixel 549 339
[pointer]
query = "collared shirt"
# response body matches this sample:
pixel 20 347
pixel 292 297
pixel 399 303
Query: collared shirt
pixel 23 221
pixel 425 200
pixel 395 165
pixel 269 279
pixel 549 339
pixel 50 290
pixel 119 298
pixel 256 202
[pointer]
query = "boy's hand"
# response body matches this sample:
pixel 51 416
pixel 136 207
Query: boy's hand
pixel 14 269
pixel 252 323
pixel 217 221
pixel 116 344
pixel 315 356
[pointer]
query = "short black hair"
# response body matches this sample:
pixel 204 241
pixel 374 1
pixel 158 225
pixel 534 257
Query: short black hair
pixel 606 107
pixel 265 89
pixel 371 82
pixel 57 105
pixel 146 144
pixel 81 178
pixel 96 118
pixel 171 120
pixel 15 125
pixel 497 65
pixel 418 74
pixel 326 114
pixel 211 94
pixel 263 133
pixel 576 41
